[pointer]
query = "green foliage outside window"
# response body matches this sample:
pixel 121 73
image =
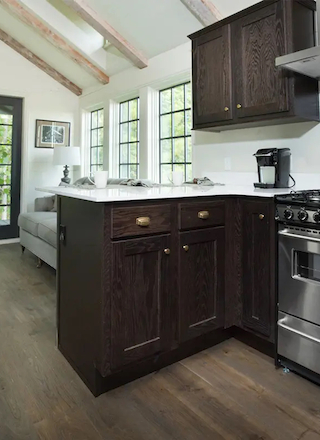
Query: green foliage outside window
pixel 96 140
pixel 5 165
pixel 175 131
pixel 129 139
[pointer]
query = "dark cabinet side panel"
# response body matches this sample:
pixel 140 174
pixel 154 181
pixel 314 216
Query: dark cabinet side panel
pixel 140 309
pixel 80 259
pixel 212 99
pixel 201 282
pixel 257 271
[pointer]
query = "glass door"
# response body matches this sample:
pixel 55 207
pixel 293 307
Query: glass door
pixel 10 165
pixel 306 265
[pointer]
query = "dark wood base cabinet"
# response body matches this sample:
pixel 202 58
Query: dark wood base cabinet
pixel 235 81
pixel 142 285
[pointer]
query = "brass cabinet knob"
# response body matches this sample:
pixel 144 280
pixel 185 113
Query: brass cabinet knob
pixel 261 216
pixel 143 221
pixel 204 215
pixel 226 109
pixel 185 247
pixel 167 251
pixel 239 105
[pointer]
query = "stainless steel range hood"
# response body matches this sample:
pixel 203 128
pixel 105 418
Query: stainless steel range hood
pixel 305 61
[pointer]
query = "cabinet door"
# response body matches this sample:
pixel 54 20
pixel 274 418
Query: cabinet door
pixel 140 306
pixel 212 77
pixel 202 269
pixel 257 273
pixel 258 38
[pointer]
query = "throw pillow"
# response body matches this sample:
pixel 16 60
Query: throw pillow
pixel 54 209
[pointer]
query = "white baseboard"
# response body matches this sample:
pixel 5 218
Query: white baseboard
pixel 10 241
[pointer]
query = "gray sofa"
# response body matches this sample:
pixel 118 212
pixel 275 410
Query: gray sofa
pixel 38 230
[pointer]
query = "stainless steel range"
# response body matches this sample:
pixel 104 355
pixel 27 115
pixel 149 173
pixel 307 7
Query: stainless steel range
pixel 298 215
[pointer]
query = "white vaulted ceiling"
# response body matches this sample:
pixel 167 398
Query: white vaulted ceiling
pixel 151 26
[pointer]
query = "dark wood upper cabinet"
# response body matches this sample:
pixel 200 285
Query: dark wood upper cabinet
pixel 256 93
pixel 140 298
pixel 258 259
pixel 259 87
pixel 202 268
pixel 212 99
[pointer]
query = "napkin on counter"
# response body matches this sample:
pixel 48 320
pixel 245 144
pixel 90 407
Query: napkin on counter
pixel 138 182
pixel 204 181
pixel 86 183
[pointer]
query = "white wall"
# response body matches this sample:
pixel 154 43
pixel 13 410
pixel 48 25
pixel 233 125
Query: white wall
pixel 210 149
pixel 168 66
pixel 44 98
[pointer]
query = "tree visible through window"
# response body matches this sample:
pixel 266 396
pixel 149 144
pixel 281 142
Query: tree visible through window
pixel 6 122
pixel 129 139
pixel 96 141
pixel 175 132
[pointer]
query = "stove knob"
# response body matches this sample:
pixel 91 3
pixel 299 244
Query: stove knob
pixel 316 217
pixel 303 215
pixel 288 214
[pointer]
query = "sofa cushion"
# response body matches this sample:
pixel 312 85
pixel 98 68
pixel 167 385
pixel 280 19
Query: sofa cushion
pixel 54 209
pixel 47 231
pixel 29 221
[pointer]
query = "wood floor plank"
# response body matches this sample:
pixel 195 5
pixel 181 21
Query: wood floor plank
pixel 71 425
pixel 248 396
pixel 122 415
pixel 215 408
pixel 164 410
pixel 283 388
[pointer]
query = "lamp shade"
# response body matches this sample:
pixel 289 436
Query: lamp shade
pixel 66 156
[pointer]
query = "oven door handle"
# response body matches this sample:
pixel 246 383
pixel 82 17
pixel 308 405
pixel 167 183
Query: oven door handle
pixel 284 233
pixel 281 323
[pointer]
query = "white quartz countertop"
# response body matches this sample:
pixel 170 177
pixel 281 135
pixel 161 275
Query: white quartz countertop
pixel 121 193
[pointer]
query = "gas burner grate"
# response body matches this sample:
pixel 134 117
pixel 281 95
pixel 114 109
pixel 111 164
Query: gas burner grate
pixel 307 196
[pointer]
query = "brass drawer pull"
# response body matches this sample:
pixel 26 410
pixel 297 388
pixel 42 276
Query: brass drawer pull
pixel 204 215
pixel 167 251
pixel 226 109
pixel 143 221
pixel 261 216
pixel 239 106
pixel 185 247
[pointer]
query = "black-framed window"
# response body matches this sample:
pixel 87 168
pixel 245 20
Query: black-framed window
pixel 10 165
pixel 6 128
pixel 175 131
pixel 96 140
pixel 129 138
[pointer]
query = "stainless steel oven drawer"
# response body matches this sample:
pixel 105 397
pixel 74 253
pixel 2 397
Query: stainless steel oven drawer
pixel 299 341
pixel 298 275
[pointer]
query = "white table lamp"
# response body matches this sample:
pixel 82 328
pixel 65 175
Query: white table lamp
pixel 66 156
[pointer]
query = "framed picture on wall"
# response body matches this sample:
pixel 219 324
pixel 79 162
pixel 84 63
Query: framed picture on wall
pixel 50 134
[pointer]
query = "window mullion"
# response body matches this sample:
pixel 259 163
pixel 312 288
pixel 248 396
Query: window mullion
pixel 178 94
pixel 97 145
pixel 126 120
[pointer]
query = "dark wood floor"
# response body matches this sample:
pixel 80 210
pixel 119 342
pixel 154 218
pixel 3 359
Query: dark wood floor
pixel 228 392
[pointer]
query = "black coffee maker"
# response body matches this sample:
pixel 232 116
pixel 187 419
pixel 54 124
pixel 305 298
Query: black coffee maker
pixel 273 167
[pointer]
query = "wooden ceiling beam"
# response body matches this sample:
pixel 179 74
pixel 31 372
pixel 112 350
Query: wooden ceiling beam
pixel 203 10
pixel 34 59
pixel 17 8
pixel 108 32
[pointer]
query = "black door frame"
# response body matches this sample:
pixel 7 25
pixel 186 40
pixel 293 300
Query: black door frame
pixel 12 230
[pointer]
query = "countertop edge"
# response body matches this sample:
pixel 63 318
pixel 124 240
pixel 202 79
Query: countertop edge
pixel 141 194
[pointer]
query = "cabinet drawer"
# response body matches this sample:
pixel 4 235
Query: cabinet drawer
pixel 140 220
pixel 201 215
